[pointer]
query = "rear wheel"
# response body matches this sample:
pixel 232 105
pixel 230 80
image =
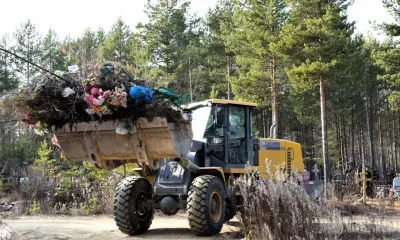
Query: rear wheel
pixel 130 213
pixel 206 205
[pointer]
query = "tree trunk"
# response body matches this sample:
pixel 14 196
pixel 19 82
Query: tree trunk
pixel 370 128
pixel 359 137
pixel 345 150
pixel 382 158
pixel 395 143
pixel 190 80
pixel 264 122
pixel 274 98
pixel 362 149
pixel 5 168
pixel 324 134
pixel 228 71
pixel 353 154
pixel 391 137
pixel 339 140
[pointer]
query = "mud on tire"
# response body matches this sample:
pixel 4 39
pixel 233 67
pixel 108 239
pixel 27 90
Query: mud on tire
pixel 129 214
pixel 206 205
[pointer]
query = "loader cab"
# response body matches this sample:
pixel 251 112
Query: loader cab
pixel 223 130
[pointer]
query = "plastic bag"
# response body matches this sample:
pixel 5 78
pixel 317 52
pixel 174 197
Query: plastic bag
pixel 141 93
pixel 67 92
pixel 121 129
pixel 73 68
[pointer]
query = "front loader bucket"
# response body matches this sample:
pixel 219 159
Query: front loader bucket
pixel 145 143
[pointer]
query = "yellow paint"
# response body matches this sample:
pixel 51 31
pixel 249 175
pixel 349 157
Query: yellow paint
pixel 223 101
pixel 215 171
pixel 242 170
pixel 270 161
pixel 151 179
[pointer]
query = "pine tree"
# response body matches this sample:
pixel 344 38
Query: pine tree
pixel 388 56
pixel 44 163
pixel 257 27
pixel 141 57
pixel 219 59
pixel 100 37
pixel 165 35
pixel 116 46
pixel 87 47
pixel 8 80
pixel 52 58
pixel 69 48
pixel 27 46
pixel 312 42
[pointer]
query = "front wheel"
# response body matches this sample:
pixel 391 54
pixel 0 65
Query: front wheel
pixel 206 205
pixel 130 213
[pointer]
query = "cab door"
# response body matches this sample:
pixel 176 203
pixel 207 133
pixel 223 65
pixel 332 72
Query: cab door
pixel 241 146
pixel 237 147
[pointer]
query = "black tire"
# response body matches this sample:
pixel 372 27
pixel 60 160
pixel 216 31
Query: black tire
pixel 206 205
pixel 129 216
pixel 230 210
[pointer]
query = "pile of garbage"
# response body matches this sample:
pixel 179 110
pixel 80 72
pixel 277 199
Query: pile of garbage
pixel 109 92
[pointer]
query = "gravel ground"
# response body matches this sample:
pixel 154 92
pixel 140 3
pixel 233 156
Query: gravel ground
pixel 103 227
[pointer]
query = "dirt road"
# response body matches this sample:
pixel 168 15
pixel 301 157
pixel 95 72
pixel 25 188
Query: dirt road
pixel 103 227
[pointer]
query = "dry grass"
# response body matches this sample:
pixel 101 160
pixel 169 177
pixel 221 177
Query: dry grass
pixel 44 195
pixel 280 209
pixel 271 208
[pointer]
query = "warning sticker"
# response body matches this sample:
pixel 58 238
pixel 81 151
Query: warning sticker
pixel 267 145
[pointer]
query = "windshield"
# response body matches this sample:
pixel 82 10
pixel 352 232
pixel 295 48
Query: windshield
pixel 199 122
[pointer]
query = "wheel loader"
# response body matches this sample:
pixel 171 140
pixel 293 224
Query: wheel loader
pixel 181 166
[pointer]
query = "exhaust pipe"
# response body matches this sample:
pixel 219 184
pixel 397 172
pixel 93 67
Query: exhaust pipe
pixel 272 133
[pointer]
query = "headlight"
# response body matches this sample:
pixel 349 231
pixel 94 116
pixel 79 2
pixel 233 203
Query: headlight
pixel 217 140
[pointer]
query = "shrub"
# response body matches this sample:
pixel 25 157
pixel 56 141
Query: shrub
pixel 34 208
pixel 271 208
pixel 279 208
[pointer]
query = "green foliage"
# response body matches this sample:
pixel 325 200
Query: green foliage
pixel 45 164
pixel 69 49
pixel 34 208
pixel 386 57
pixel 393 7
pixel 214 92
pixel 219 58
pixel 129 168
pixel 313 36
pixel 117 44
pixel 27 46
pixel 173 39
pixel 164 34
pixel 311 43
pixel 94 174
pixel 8 78
pixel 256 58
pixel 334 152
pixel 17 146
pixel 91 207
pixel 141 58
pixel 52 58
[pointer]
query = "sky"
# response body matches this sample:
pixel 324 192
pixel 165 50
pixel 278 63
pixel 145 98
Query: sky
pixel 73 16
